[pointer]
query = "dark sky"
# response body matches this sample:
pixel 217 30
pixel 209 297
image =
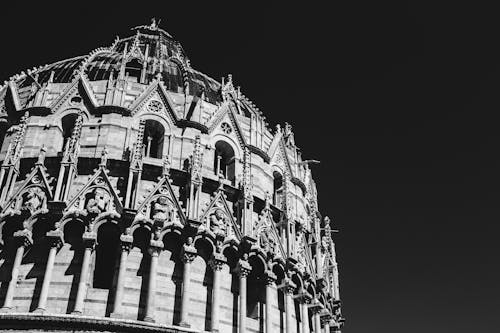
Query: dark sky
pixel 399 101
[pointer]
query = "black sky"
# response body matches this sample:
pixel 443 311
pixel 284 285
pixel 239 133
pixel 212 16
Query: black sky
pixel 398 100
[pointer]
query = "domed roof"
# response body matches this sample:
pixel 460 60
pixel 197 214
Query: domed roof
pixel 151 48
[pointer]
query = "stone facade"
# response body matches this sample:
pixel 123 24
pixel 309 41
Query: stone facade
pixel 137 193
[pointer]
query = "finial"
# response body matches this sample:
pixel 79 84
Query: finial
pixel 41 155
pixel 221 180
pixel 267 200
pixel 166 166
pixel 104 157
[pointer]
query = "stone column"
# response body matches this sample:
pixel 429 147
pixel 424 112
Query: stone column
pixel 316 308
pixel 187 255
pixel 55 238
pixel 155 248
pixel 243 269
pixel 288 287
pixel 22 240
pixel 317 323
pixel 304 298
pixel 126 244
pixel 217 262
pixel 325 318
pixel 89 239
pixel 270 280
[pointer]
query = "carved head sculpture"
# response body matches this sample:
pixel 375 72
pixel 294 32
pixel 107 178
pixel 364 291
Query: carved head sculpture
pixel 33 199
pixel 160 209
pixel 98 201
pixel 218 221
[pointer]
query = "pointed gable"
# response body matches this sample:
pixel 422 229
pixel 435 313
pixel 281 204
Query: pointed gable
pixel 79 87
pixel 267 234
pixel 155 99
pixel 34 192
pixel 225 115
pixel 97 195
pixel 278 155
pixel 218 217
pixel 162 201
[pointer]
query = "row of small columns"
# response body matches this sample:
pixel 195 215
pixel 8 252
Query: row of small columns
pixel 23 240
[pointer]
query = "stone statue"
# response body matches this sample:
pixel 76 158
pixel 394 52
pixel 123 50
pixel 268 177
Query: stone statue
pixel 161 209
pixel 218 221
pixel 98 201
pixel 34 199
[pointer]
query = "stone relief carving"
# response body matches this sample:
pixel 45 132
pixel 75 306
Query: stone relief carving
pixel 161 209
pixel 218 222
pixel 97 201
pixel 33 199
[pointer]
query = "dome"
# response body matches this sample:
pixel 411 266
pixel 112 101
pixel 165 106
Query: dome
pixel 148 52
pixel 137 193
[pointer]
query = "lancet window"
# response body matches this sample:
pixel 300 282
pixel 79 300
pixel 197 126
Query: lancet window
pixel 224 162
pixel 154 137
pixel 68 123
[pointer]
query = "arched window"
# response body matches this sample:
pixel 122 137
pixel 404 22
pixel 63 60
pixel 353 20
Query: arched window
pixel 224 162
pixel 68 123
pixel 108 241
pixel 172 76
pixel 277 189
pixel 133 70
pixel 256 295
pixel 280 276
pixel 154 135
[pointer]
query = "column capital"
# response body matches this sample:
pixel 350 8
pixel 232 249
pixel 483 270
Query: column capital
pixel 155 247
pixel 303 297
pixel 325 316
pixel 269 277
pixel 89 239
pixel 23 238
pixel 126 241
pixel 243 268
pixel 217 261
pixel 188 252
pixel 287 286
pixel 316 306
pixel 55 238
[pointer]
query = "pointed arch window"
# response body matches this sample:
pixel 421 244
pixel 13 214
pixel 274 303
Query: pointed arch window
pixel 154 137
pixel 172 76
pixel 68 123
pixel 108 241
pixel 278 189
pixel 133 71
pixel 224 161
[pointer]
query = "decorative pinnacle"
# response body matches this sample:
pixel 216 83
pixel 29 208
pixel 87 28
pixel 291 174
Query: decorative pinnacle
pixel 104 157
pixel 41 155
pixel 166 166
pixel 267 200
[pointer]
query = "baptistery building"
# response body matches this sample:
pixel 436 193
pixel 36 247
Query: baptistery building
pixel 138 194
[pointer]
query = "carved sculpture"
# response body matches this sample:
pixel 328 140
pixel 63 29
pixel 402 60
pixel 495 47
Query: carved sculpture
pixel 97 201
pixel 33 199
pixel 161 210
